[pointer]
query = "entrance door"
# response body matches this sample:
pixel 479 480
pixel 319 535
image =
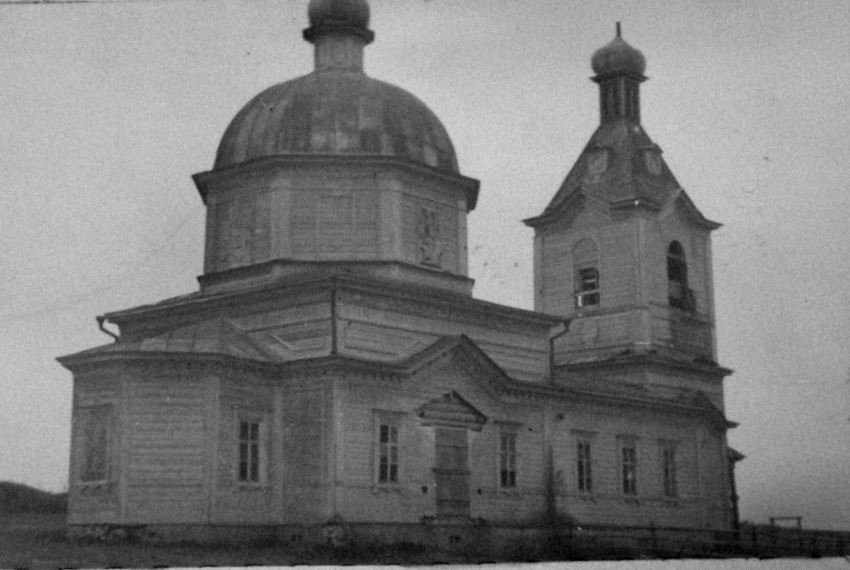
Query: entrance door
pixel 452 472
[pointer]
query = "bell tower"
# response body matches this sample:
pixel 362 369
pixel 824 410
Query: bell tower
pixel 624 253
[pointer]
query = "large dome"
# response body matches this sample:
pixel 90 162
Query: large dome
pixel 336 113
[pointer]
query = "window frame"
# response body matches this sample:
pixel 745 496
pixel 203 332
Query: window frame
pixel 257 448
pixel 585 258
pixel 106 416
pixel 679 294
pixel 628 466
pixel 668 459
pixel 584 465
pixel 392 421
pixel 507 458
pixel 587 292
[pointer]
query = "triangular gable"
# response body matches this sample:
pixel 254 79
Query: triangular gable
pixel 451 410
pixel 474 360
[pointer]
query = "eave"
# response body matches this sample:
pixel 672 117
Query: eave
pixel 323 285
pixel 649 359
pixel 469 185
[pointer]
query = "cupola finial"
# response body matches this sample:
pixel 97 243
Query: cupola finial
pixel 619 34
pixel 349 17
pixel 339 29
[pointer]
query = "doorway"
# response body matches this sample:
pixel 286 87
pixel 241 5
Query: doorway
pixel 451 468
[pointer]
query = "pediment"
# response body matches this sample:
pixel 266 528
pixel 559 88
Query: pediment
pixel 463 353
pixel 451 409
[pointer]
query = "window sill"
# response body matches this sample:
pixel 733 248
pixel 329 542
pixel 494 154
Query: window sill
pixel 585 496
pixel 94 487
pixel 251 487
pixel 389 488
pixel 510 493
pixel 630 500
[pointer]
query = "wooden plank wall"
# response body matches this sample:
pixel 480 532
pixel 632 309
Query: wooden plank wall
pixel 95 503
pixel 658 236
pixel 302 330
pixel 447 233
pixel 616 243
pixel 389 332
pixel 541 429
pixel 304 457
pixel 166 446
pixel 248 397
pixel 330 224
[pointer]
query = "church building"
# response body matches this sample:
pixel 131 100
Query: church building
pixel 334 367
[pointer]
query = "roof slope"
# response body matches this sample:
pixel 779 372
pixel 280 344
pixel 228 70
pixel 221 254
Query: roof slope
pixel 621 166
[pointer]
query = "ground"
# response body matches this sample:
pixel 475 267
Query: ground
pixel 29 540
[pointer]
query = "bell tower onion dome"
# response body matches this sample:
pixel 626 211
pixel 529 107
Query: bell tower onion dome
pixel 337 109
pixel 619 72
pixel 618 57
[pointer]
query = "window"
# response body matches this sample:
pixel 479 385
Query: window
pixel 628 467
pixel 507 460
pixel 584 471
pixel 668 470
pixel 586 274
pixel 387 453
pixel 95 431
pixel 679 295
pixel 250 448
pixel 588 288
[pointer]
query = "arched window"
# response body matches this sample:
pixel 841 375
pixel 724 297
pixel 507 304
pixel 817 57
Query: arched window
pixel 679 295
pixel 586 273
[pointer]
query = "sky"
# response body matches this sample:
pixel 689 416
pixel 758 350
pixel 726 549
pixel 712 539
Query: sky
pixel 109 108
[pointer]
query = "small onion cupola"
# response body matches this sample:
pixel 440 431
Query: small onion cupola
pixel 619 72
pixel 339 29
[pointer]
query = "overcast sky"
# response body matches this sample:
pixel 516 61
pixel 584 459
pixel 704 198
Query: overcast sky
pixel 109 108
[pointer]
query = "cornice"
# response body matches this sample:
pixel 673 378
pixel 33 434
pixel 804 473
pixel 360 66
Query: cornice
pixel 414 298
pixel 91 359
pixel 480 367
pixel 649 359
pixel 203 180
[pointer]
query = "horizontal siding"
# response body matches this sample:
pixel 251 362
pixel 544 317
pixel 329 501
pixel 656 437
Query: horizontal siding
pixel 95 503
pixel 446 232
pixel 305 448
pixel 244 396
pixel 594 333
pixel 241 230
pixel 674 328
pixel 303 331
pixel 695 243
pixel 413 497
pixel 166 442
pixel 329 224
pixel 391 334
pixel 615 244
